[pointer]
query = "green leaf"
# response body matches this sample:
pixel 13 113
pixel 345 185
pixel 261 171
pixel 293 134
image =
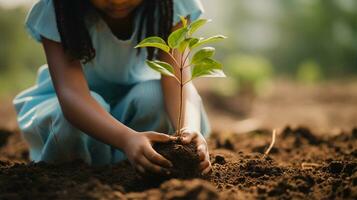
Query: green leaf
pixel 184 44
pixel 216 73
pixel 194 26
pixel 177 37
pixel 183 21
pixel 154 41
pixel 194 41
pixel 208 68
pixel 209 40
pixel 205 52
pixel 161 67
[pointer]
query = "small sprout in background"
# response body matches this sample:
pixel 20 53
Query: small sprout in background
pixel 309 72
pixel 182 43
pixel 249 74
pixel 273 136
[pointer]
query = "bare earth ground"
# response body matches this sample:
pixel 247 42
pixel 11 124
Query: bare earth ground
pixel 316 162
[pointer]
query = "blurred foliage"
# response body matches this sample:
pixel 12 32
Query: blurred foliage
pixel 309 72
pixel 250 73
pixel 20 56
pixel 308 40
pixel 289 32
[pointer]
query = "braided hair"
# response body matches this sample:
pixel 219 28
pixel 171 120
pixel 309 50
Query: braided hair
pixel 75 38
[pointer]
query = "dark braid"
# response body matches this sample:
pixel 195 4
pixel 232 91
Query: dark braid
pixel 152 8
pixel 75 37
pixel 156 18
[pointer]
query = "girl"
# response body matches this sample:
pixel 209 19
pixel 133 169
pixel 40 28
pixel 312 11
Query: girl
pixel 96 100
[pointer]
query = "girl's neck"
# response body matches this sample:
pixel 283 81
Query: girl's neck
pixel 122 28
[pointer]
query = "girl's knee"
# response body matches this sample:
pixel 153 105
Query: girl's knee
pixel 143 107
pixel 147 97
pixel 60 140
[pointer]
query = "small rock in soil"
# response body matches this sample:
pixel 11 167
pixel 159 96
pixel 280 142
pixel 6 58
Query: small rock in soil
pixel 219 160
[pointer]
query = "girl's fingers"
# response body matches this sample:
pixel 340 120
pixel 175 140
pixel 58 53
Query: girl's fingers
pixel 207 170
pixel 156 158
pixel 184 129
pixel 160 137
pixel 143 161
pixel 188 137
pixel 201 155
pixel 204 157
pixel 204 165
pixel 200 141
pixel 140 169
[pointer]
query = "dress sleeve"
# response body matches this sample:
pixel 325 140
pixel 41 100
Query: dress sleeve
pixel 41 21
pixel 187 8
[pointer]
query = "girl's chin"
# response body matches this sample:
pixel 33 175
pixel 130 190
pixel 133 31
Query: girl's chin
pixel 118 15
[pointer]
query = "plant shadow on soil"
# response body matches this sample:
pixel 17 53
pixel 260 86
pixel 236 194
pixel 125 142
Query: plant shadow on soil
pixel 301 165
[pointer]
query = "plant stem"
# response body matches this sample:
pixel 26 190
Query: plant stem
pixel 187 66
pixel 173 58
pixel 176 63
pixel 186 82
pixel 188 54
pixel 180 108
pixel 178 81
pixel 179 124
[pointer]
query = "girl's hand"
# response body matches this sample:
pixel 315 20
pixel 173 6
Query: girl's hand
pixel 141 154
pixel 202 149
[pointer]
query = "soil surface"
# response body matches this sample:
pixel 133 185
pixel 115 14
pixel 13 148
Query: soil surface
pixel 326 107
pixel 317 162
pixel 301 165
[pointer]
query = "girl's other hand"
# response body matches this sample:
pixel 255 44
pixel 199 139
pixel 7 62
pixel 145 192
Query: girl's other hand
pixel 189 136
pixel 141 154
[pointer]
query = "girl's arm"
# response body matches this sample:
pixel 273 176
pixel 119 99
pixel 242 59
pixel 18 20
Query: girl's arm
pixel 191 116
pixel 86 114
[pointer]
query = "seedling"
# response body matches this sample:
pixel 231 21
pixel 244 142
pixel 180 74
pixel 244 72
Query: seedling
pixel 273 136
pixel 180 46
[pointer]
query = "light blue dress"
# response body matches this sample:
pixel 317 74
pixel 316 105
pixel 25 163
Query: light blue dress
pixel 118 79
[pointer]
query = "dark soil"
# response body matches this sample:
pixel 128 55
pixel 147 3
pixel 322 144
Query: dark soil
pixel 184 158
pixel 301 165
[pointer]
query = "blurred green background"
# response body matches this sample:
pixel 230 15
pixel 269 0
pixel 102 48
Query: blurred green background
pixel 304 40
